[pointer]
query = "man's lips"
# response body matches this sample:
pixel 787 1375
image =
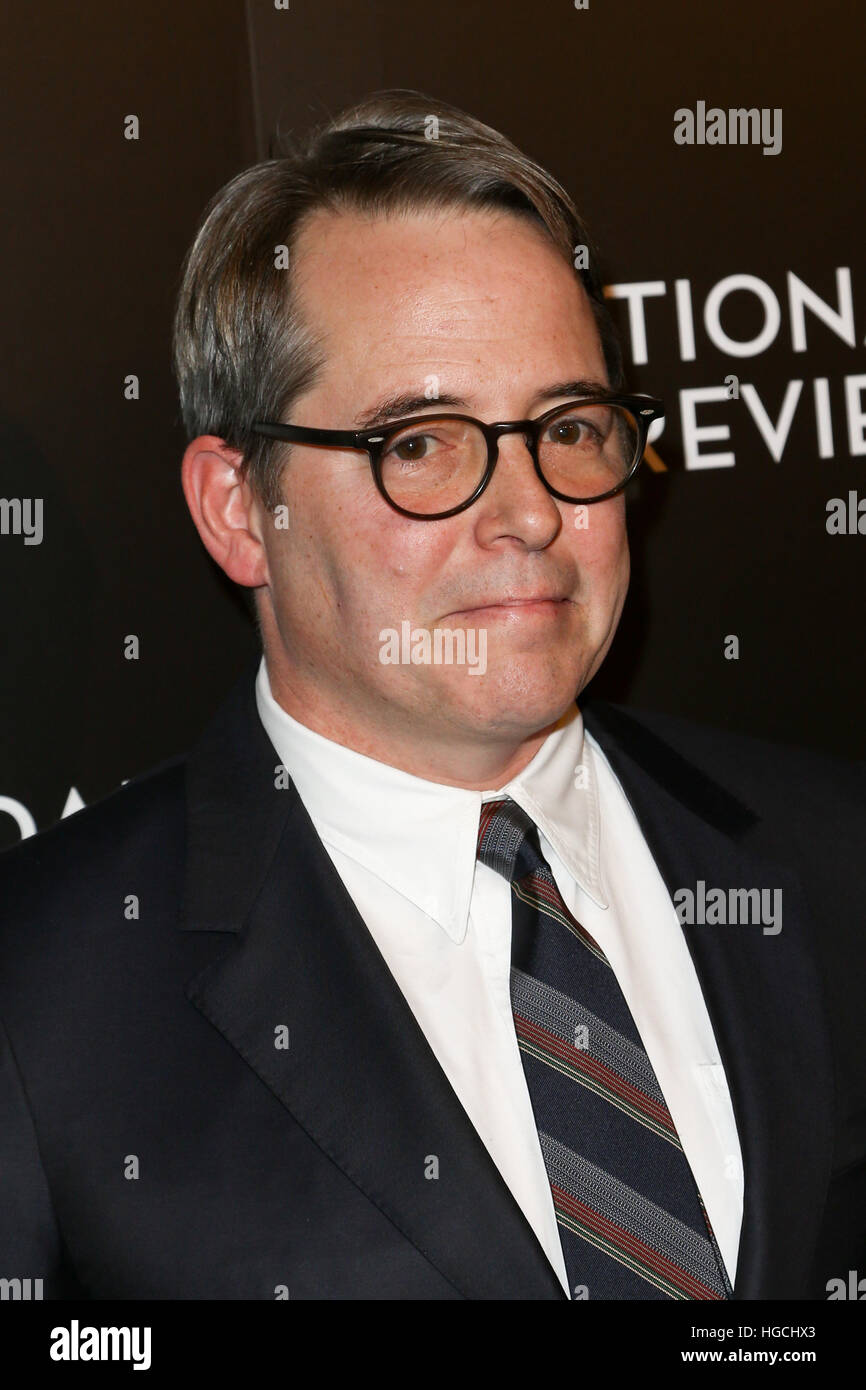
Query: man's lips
pixel 514 603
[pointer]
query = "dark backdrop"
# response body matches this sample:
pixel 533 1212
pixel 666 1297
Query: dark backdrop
pixel 95 228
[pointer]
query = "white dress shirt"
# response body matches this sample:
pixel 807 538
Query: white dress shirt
pixel 405 848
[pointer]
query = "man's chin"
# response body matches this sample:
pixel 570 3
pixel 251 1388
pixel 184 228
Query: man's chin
pixel 508 705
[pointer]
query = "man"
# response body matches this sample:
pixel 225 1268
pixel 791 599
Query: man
pixel 414 980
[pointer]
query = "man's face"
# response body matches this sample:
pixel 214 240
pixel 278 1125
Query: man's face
pixel 481 307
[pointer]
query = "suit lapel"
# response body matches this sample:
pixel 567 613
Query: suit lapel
pixel 358 1075
pixel 763 994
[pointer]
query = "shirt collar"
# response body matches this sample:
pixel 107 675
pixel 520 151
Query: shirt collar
pixel 420 837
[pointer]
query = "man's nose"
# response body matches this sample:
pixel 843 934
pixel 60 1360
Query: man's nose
pixel 516 462
pixel 516 501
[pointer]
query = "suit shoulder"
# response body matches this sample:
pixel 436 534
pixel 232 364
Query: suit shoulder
pixel 762 773
pixel 46 876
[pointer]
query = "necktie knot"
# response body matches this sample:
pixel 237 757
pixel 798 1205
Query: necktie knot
pixel 508 840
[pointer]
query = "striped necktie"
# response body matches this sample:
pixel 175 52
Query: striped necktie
pixel 631 1220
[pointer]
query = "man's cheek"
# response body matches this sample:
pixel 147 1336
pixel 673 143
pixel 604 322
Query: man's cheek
pixel 605 554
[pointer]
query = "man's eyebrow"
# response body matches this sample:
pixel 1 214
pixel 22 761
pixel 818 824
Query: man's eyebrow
pixel 400 403
pixel 404 403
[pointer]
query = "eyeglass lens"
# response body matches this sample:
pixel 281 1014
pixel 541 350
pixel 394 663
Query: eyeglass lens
pixel 583 452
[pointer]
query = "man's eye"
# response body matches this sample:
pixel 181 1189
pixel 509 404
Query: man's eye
pixel 569 431
pixel 415 447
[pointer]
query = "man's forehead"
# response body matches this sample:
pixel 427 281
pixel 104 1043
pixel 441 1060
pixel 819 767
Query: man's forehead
pixel 403 297
pixel 460 261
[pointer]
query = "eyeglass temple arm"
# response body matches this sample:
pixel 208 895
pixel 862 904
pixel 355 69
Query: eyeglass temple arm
pixel 306 434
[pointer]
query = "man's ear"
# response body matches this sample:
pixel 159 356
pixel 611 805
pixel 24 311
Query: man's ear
pixel 227 514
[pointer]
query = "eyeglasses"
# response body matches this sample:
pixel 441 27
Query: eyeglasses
pixel 434 466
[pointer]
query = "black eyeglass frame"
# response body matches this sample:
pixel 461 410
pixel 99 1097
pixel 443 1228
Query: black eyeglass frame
pixel 645 409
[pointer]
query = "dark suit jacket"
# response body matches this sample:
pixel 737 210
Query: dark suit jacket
pixel 147 1045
